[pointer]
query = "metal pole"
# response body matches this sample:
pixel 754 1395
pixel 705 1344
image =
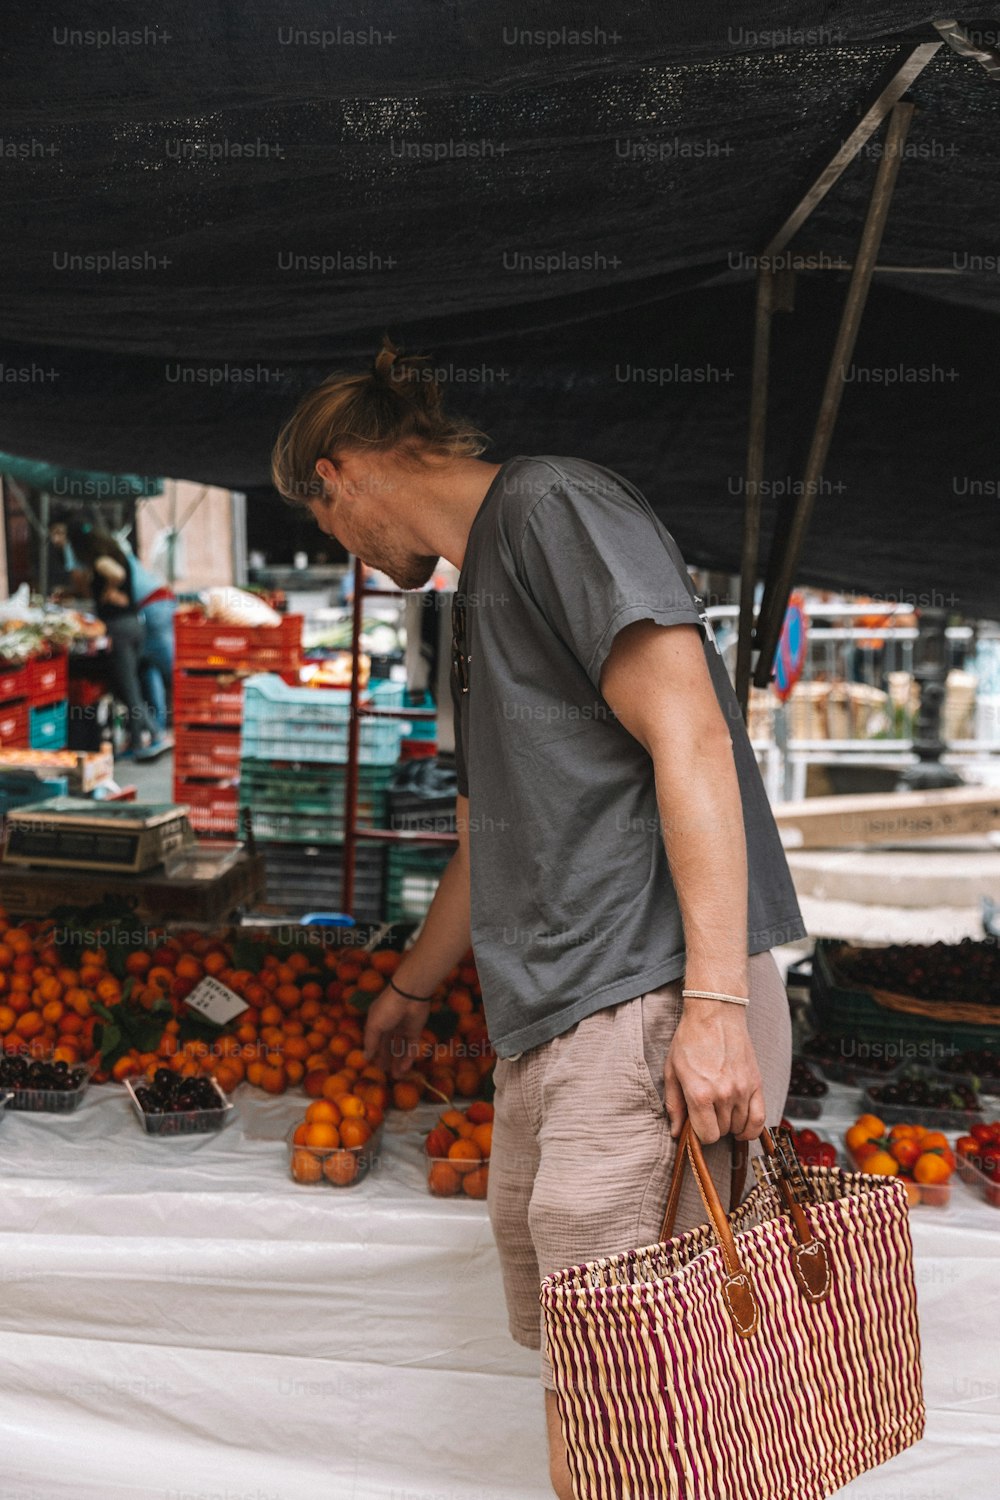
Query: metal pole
pixel 755 473
pixel 775 603
pixel 353 746
pixel 44 511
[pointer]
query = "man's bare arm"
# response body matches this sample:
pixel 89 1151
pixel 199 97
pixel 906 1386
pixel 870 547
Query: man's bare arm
pixel 393 1023
pixel 657 682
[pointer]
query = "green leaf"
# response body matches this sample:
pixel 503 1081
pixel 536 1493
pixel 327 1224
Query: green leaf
pixel 111 1044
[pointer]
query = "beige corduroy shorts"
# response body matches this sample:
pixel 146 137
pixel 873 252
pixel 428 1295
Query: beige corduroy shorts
pixel 582 1151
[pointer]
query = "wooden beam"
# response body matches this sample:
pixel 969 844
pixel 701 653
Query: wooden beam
pixel 755 473
pixel 890 88
pixel 775 601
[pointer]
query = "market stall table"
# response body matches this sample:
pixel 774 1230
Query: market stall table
pixel 180 1319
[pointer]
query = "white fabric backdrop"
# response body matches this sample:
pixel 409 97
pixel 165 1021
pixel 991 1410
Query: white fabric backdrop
pixel 181 1321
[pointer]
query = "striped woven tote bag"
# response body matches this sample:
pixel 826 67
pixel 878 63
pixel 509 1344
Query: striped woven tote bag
pixel 772 1353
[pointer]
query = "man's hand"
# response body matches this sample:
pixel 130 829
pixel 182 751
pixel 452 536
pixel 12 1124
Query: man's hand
pixel 711 1074
pixel 392 1032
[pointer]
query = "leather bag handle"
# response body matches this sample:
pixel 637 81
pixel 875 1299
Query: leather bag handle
pixel 809 1260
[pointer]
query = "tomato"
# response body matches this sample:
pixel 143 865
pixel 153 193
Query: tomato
pixel 982 1133
pixel 827 1156
pixel 967 1145
pixel 807 1138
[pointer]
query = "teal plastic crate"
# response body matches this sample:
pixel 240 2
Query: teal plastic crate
pixel 48 727
pixel 412 878
pixel 22 788
pixel 286 723
pixel 305 804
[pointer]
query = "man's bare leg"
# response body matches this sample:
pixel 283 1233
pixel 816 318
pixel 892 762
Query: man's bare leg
pixel 558 1463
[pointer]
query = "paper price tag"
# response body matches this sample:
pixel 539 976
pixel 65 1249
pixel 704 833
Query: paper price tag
pixel 215 1001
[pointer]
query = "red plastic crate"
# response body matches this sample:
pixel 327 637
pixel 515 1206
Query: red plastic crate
pixel 214 805
pixel 207 752
pixel 13 682
pixel 14 726
pixel 48 679
pixel 207 643
pixel 207 699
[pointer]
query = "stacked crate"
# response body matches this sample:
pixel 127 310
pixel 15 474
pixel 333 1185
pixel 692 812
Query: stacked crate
pixel 33 699
pixel 413 872
pixel 212 661
pixel 293 783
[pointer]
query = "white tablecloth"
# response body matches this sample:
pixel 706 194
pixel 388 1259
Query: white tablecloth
pixel 181 1321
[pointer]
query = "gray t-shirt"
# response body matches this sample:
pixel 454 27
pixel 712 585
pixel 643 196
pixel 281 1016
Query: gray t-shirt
pixel 573 906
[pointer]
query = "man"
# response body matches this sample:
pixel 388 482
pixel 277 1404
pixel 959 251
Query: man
pixel 615 842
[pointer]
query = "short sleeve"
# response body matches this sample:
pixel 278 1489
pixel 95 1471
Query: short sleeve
pixel 595 560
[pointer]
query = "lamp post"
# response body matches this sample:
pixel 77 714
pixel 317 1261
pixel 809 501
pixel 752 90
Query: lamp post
pixel 930 669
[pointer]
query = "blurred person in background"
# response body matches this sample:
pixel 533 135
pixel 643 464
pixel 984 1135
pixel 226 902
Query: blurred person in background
pixel 109 582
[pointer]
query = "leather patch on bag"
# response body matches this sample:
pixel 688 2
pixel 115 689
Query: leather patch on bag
pixel 742 1304
pixel 812 1269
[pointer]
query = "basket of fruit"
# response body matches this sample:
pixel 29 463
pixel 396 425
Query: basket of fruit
pixel 458 1152
pixel 168 1104
pixel 949 991
pixel 978 1158
pixel 334 1144
pixel 811 1148
pixel 44 1083
pixel 805 1092
pixel 940 1100
pixel 922 1159
pixel 848 1060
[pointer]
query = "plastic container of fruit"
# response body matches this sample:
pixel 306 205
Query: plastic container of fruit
pixel 930 1194
pixel 975 1178
pixel 53 1101
pixel 854 1074
pixel 801 1107
pixel 894 1113
pixel 448 1178
pixel 181 1121
pixel 332 1166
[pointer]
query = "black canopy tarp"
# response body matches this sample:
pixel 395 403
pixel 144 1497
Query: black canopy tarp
pixel 206 210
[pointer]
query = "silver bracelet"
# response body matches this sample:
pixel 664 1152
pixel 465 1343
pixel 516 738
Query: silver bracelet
pixel 713 995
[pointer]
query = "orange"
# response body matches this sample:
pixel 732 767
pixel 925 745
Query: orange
pixel 340 1045
pixel 900 1130
pixel 306 1167
pixel 188 967
pixel 351 1107
pixel 322 1134
pixel 323 1112
pixel 476 1182
pixel 6 955
pixel 453 1118
pixel 461 1001
pixel 335 1087
pixel 467 1079
pixel 314 1082
pixel 480 1113
pixel 905 1149
pixel 7 1019
pixel 934 1140
pixel 355 1133
pixel 857 1137
pixel 294 1070
pixel 405 1095
pixel 386 961
pixel 214 961
pixel 482 1136
pixel 297 1047
pixel 913 1196
pixel 299 1138
pixel 881 1164
pixel 255 1072
pixel 930 1167
pixel 341 1168
pixel 872 1123
pixel 464 1151
pixel 226 1078
pixel 29 1024
pixel 356 1059
pixel 443 1180
pixel 374 1115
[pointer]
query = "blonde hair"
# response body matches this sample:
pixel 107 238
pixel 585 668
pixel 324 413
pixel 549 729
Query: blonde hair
pixel 395 404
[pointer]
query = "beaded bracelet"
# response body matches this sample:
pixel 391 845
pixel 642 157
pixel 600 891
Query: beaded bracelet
pixel 714 995
pixel 420 999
